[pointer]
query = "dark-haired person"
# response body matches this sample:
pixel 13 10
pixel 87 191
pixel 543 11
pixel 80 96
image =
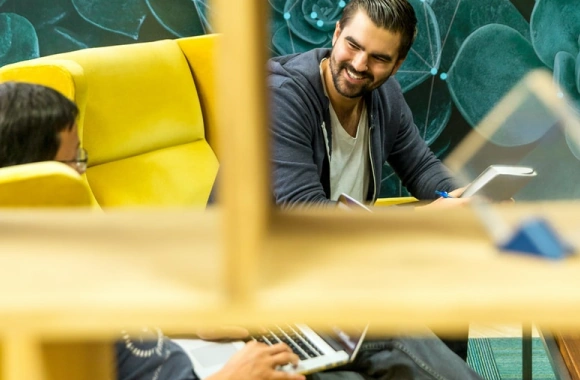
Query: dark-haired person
pixel 37 124
pixel 337 115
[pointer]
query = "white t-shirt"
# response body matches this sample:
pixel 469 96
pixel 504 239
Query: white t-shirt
pixel 349 171
pixel 349 161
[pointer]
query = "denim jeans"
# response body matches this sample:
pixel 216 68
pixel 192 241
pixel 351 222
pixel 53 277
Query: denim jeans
pixel 403 358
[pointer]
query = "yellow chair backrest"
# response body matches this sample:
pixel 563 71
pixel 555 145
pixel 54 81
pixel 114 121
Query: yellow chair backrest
pixel 140 119
pixel 200 54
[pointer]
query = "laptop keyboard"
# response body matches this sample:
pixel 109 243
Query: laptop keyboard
pixel 293 337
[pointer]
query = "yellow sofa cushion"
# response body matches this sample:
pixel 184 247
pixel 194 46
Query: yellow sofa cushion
pixel 160 175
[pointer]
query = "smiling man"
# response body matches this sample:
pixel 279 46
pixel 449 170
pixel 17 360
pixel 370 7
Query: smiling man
pixel 337 115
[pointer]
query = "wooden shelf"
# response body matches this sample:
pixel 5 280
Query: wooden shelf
pixel 166 267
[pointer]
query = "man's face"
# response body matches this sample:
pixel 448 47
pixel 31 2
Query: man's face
pixel 363 56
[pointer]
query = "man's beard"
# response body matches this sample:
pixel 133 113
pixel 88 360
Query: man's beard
pixel 347 89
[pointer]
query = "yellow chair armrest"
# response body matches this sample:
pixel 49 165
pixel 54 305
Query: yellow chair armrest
pixel 43 184
pixel 394 201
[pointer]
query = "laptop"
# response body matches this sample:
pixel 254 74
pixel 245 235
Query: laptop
pixel 317 351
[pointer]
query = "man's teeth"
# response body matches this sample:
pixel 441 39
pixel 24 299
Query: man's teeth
pixel 353 75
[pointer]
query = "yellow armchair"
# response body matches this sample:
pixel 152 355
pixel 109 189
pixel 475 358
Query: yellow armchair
pixel 145 110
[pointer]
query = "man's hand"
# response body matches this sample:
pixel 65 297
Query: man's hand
pixel 457 192
pixel 453 201
pixel 258 361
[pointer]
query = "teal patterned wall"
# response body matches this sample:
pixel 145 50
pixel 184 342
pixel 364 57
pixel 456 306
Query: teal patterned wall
pixel 32 28
pixel 466 57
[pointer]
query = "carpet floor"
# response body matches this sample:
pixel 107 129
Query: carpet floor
pixel 501 359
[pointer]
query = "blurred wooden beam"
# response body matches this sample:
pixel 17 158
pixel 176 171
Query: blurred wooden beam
pixel 244 181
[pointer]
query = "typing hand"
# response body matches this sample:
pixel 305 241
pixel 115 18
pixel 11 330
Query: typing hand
pixel 259 361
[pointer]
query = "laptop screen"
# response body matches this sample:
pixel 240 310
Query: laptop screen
pixel 348 340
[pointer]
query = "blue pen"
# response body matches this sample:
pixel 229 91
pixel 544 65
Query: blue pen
pixel 443 194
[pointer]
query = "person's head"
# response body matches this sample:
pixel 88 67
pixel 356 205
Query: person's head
pixel 370 43
pixel 38 123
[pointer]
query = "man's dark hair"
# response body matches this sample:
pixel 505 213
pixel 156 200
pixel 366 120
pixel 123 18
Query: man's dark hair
pixel 397 16
pixel 31 117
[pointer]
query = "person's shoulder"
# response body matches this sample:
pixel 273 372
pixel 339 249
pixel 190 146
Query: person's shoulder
pixel 389 100
pixel 299 60
pixel 301 67
pixel 390 93
pixel 391 87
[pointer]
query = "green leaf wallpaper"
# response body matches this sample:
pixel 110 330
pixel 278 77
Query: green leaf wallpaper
pixel 17 39
pixel 467 55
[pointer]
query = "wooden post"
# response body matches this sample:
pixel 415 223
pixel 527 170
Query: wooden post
pixel 242 118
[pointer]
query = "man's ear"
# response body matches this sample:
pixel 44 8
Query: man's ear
pixel 337 31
